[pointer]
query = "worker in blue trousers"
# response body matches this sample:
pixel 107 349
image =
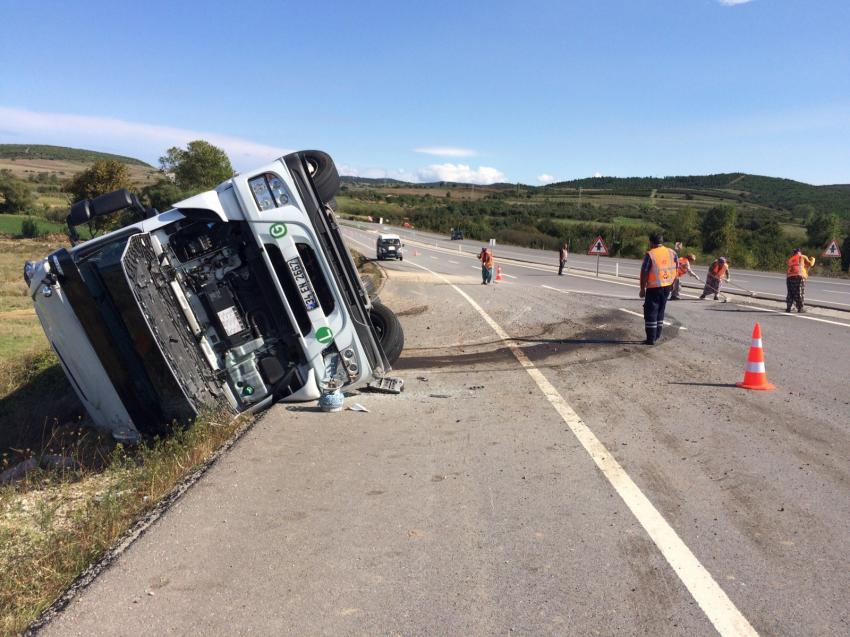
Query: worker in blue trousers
pixel 657 274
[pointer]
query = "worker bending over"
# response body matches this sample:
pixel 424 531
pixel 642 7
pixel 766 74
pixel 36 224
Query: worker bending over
pixel 684 268
pixel 717 273
pixel 795 279
pixel 657 274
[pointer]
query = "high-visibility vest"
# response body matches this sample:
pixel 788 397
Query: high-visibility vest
pixel 795 265
pixel 718 269
pixel 684 266
pixel 663 266
pixel 486 258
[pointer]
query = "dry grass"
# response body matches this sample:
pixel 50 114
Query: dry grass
pixel 21 331
pixel 56 523
pixel 64 169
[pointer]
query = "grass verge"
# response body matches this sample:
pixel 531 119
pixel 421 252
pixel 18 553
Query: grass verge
pixel 56 522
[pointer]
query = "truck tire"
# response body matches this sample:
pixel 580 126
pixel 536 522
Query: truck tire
pixel 323 171
pixel 389 330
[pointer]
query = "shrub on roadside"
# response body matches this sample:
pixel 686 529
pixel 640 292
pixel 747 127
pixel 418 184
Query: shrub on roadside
pixel 30 229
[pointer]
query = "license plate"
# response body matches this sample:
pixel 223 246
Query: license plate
pixel 303 283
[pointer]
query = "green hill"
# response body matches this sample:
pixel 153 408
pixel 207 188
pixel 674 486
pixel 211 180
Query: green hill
pixel 773 192
pixel 62 153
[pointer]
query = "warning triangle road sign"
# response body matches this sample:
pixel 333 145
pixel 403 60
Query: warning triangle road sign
pixel 598 247
pixel 832 250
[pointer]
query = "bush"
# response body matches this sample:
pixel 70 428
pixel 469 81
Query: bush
pixel 30 229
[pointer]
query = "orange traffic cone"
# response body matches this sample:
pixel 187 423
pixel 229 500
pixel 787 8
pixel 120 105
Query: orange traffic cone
pixel 754 375
pixel 498 273
pixel 415 252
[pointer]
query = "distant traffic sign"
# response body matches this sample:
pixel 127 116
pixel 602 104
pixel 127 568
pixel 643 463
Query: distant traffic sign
pixel 832 250
pixel 598 247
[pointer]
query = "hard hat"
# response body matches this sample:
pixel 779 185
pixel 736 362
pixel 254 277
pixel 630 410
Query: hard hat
pixel 722 259
pixel 691 257
pixel 796 250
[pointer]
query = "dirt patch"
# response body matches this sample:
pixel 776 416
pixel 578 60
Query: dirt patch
pixel 416 310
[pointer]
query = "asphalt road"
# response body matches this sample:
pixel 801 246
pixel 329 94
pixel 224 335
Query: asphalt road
pixel 542 473
pixel 833 293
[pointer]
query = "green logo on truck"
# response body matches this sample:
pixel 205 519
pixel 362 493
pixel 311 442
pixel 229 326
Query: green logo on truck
pixel 324 335
pixel 277 230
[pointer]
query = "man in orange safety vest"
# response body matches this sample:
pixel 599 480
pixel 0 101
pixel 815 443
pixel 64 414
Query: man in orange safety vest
pixel 718 272
pixel 657 273
pixel 684 268
pixel 795 279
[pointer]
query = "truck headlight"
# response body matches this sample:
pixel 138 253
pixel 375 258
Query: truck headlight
pixel 269 191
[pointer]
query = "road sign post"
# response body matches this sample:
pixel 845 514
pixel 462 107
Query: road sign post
pixel 599 249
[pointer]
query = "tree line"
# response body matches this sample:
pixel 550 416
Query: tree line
pixel 750 239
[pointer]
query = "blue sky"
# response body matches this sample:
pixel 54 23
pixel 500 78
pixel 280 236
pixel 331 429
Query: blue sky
pixel 470 91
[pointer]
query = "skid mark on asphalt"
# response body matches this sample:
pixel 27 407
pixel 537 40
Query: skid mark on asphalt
pixel 713 601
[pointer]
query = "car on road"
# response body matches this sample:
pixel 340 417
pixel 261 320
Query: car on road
pixel 389 246
pixel 234 299
pixel 457 235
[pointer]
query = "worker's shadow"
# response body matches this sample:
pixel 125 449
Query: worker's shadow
pixel 703 384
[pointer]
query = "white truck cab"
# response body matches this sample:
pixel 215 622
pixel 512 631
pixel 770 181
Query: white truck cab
pixel 235 298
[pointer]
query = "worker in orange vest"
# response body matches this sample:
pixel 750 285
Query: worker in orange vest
pixel 487 261
pixel 684 267
pixel 795 279
pixel 657 274
pixel 717 273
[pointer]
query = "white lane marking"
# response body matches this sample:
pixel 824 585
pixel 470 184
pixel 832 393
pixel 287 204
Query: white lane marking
pixel 476 267
pixel 510 276
pixel 827 301
pixel 717 606
pixel 794 315
pixel 453 262
pixel 435 258
pixel 622 309
pixel 555 289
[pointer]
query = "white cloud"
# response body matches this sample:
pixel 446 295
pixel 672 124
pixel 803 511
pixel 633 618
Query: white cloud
pixel 545 179
pixel 128 138
pixel 446 151
pixel 436 172
pixel 732 3
pixel 461 173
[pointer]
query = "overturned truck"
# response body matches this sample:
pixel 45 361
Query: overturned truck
pixel 234 299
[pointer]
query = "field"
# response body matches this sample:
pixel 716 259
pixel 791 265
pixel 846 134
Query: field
pixel 21 331
pixel 65 169
pixel 11 224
